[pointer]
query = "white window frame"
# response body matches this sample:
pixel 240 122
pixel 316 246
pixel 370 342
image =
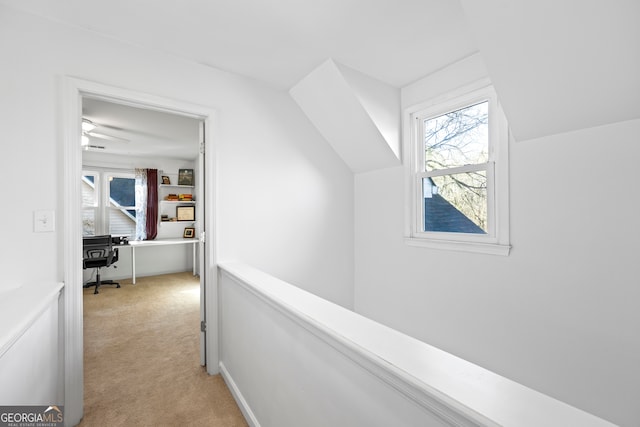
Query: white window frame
pixel 106 202
pixel 496 241
pixel 95 207
pixel 102 209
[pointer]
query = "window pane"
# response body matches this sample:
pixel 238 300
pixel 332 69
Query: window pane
pixel 121 222
pixel 121 209
pixel 89 193
pixel 88 222
pixel 456 203
pixel 122 191
pixel 457 138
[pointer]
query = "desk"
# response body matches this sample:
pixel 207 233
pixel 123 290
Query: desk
pixel 160 242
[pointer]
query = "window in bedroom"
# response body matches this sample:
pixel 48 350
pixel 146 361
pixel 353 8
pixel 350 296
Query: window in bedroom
pixel 459 188
pixel 108 203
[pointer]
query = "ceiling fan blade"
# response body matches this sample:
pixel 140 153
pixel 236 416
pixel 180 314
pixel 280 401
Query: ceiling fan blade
pixel 111 127
pixel 107 137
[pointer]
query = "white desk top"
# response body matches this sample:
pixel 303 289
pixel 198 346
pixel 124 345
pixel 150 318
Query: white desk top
pixel 161 242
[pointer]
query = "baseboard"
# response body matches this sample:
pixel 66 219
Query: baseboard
pixel 239 398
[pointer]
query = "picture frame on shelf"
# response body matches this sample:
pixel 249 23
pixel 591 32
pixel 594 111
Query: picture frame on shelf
pixel 189 232
pixel 185 176
pixel 186 213
pixel 166 180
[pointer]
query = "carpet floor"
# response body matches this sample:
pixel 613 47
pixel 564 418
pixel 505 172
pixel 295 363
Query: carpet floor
pixel 141 358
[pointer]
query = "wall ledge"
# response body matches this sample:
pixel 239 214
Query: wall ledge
pixel 21 307
pixel 459 392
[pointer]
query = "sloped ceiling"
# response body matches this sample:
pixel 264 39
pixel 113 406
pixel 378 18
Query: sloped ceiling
pixel 563 65
pixel 357 115
pixel 557 65
pixel 281 41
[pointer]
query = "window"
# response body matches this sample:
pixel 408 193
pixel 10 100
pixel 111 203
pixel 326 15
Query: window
pixel 458 175
pixel 108 203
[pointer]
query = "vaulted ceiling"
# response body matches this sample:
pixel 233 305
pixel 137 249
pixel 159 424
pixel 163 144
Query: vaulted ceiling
pixel 557 65
pixel 281 41
pixel 562 65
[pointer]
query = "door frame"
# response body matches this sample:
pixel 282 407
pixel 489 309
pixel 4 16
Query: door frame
pixel 73 90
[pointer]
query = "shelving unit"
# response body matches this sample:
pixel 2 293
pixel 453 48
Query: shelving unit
pixel 169 207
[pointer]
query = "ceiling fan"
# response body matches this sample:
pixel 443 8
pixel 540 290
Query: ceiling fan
pixel 93 130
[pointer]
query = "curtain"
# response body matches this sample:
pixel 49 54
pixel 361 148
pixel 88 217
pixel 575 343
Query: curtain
pixel 141 204
pixel 152 204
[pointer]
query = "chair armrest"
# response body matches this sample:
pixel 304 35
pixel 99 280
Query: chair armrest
pixel 112 257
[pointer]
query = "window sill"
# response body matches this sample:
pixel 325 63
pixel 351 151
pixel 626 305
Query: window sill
pixel 451 245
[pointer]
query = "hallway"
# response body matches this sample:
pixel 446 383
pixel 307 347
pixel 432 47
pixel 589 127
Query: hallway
pixel 141 360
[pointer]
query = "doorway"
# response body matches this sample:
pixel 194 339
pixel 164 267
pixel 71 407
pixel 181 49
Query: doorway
pixel 75 90
pixel 120 145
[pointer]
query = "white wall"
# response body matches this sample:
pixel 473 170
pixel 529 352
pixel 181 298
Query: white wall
pixel 559 314
pixel 285 198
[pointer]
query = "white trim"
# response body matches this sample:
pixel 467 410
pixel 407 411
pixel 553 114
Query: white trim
pixel 73 89
pixel 452 171
pixel 210 186
pixel 72 253
pixel 453 245
pixel 496 241
pixel 249 416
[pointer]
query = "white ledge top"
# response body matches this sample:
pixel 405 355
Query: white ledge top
pixel 160 242
pixel 20 308
pixel 476 393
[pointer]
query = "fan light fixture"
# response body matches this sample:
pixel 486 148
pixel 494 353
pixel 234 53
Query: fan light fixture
pixel 87 125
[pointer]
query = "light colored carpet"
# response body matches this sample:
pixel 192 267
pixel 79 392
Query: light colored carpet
pixel 141 358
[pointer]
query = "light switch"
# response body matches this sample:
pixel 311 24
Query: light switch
pixel 44 221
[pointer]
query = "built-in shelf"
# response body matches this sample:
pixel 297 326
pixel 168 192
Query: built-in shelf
pixel 176 186
pixel 178 201
pixel 169 207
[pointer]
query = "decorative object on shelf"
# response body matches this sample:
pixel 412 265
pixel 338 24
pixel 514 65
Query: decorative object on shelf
pixel 166 180
pixel 172 197
pixel 164 217
pixel 185 176
pixel 186 213
pixel 185 197
pixel 189 232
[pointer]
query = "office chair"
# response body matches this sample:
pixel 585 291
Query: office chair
pixel 99 252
